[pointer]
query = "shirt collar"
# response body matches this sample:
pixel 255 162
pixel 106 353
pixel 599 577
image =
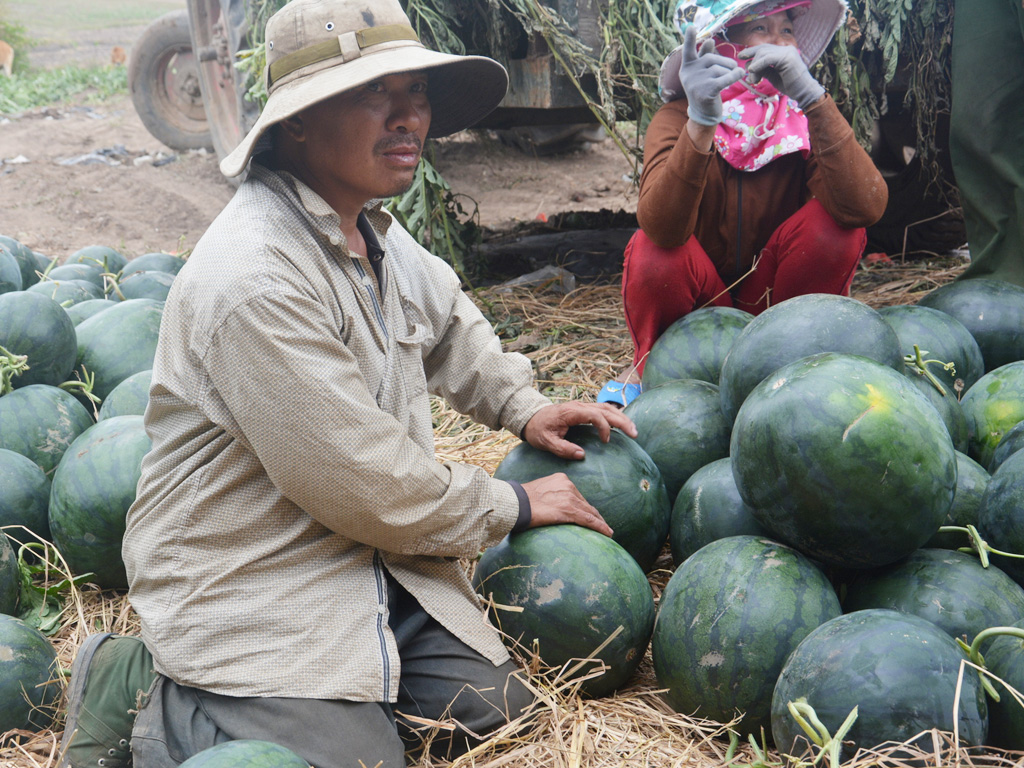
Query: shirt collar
pixel 377 220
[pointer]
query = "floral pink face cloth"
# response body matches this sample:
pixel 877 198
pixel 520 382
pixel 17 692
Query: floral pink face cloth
pixel 760 124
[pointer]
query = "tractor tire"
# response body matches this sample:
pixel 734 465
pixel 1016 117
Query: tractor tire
pixel 164 84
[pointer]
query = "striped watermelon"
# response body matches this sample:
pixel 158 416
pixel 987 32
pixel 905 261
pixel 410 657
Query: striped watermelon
pixel 100 255
pixel 576 588
pixel 728 619
pixel 92 489
pixel 10 577
pixel 993 312
pixel 119 341
pixel 844 459
pixel 798 327
pixel 129 397
pixel 30 678
pixel 25 496
pixel 680 425
pixel 948 588
pixel 694 346
pixel 246 753
pixel 36 326
pixel 40 422
pixel 992 407
pixel 900 671
pixel 707 508
pixel 618 478
pixel 971 482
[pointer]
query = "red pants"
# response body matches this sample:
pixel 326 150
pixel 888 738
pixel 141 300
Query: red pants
pixel 808 253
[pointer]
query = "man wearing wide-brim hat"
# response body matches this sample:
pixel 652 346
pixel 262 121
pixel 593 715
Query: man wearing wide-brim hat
pixel 293 550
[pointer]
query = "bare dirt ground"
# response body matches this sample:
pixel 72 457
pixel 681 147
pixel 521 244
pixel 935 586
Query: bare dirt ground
pixel 80 174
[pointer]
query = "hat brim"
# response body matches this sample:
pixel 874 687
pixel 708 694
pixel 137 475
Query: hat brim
pixel 462 91
pixel 813 31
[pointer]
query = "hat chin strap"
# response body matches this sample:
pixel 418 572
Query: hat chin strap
pixel 347 46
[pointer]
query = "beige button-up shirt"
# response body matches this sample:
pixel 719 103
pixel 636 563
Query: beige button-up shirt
pixel 293 461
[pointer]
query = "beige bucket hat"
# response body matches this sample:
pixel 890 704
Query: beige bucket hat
pixel 317 49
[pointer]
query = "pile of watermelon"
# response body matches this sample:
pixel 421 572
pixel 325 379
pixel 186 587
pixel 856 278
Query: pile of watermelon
pixel 800 465
pixel 77 343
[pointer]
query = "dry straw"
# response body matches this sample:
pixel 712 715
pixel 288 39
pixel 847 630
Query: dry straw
pixel 576 342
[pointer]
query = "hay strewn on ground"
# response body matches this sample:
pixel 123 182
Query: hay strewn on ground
pixel 576 343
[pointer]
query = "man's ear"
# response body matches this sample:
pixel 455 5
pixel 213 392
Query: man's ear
pixel 294 127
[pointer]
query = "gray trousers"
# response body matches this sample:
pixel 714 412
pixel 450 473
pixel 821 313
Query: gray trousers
pixel 442 679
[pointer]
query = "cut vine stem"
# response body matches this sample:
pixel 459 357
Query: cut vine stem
pixel 978 546
pixel 816 731
pixel 919 365
pixel 973 651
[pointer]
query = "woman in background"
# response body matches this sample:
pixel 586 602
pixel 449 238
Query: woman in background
pixel 754 188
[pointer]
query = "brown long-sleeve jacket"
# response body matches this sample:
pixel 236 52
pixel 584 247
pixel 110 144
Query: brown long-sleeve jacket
pixel 685 192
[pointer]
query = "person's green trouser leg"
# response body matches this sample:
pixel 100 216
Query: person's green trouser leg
pixel 987 134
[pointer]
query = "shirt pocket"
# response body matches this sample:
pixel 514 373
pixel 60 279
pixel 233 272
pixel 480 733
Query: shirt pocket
pixel 405 384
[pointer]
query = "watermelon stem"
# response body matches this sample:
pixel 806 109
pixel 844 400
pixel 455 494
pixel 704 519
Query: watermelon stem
pixel 84 384
pixel 11 365
pixel 974 652
pixel 919 365
pixel 760 751
pixel 978 546
pixel 807 719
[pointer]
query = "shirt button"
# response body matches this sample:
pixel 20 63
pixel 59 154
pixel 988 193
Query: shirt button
pixel 335 239
pixel 381 609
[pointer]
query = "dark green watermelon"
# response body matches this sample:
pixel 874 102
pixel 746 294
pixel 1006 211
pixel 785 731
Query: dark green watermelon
pixel 101 255
pixel 618 478
pixel 1011 442
pixel 43 263
pixel 67 292
pixel 91 273
pixel 24 496
pixel 1001 515
pixel 119 341
pixel 992 310
pixel 802 326
pixel 40 422
pixel 971 482
pixel 38 327
pixel 708 507
pixel 947 406
pixel 576 588
pixel 246 753
pixel 10 271
pixel 149 284
pixel 681 426
pixel 727 620
pixel 26 260
pixel 939 336
pixel 30 678
pixel 844 459
pixel 161 262
pixel 899 670
pixel 1005 659
pixel 129 397
pixel 10 577
pixel 992 407
pixel 92 489
pixel 948 588
pixel 694 346
pixel 83 310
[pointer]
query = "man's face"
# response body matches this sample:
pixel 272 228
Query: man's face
pixel 366 143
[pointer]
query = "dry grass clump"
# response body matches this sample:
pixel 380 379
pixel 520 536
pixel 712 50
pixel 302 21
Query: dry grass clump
pixel 576 342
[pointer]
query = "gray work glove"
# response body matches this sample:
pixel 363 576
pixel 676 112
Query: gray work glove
pixel 783 67
pixel 704 75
